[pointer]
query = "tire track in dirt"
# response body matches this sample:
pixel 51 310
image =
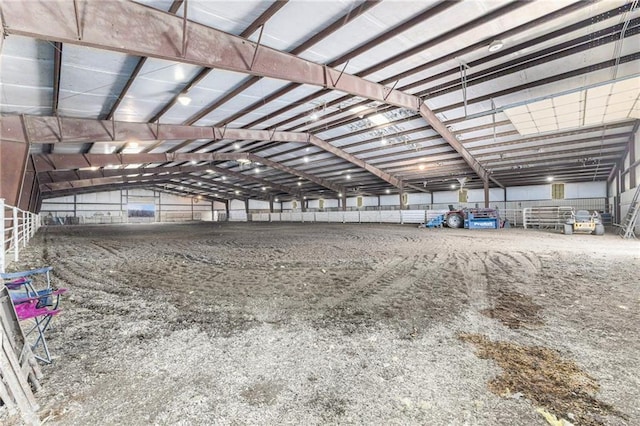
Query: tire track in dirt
pixel 474 271
pixel 102 245
pixel 364 287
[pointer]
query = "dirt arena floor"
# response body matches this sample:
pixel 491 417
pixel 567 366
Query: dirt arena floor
pixel 307 324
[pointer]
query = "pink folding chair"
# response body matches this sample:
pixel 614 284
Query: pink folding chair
pixel 36 301
pixel 40 310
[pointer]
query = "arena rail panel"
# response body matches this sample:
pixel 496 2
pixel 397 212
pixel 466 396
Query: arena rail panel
pixel 18 227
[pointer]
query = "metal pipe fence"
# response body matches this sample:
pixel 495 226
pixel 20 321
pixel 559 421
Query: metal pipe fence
pixel 17 228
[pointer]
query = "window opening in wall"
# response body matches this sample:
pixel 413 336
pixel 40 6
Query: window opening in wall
pixel 462 196
pixel 321 204
pixel 359 202
pixel 557 191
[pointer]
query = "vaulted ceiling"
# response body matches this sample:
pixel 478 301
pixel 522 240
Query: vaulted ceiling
pixel 261 98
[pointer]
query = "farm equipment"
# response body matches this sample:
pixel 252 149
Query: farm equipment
pixel 475 218
pixel 583 222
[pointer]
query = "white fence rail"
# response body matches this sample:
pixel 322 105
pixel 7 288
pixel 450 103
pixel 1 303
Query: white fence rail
pixel 18 227
pixel 545 217
pixel 514 216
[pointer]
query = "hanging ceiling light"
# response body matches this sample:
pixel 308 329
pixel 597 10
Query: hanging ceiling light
pixel 496 45
pixel 184 100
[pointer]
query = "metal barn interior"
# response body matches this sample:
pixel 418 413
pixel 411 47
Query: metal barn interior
pixel 301 105
pixel 326 113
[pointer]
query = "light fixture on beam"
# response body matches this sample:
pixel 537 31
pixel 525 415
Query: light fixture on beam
pixel 549 178
pixel 184 100
pixel 496 45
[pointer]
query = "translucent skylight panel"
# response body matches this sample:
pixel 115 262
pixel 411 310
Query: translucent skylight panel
pixel 597 105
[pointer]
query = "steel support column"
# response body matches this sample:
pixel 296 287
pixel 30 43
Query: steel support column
pixel 632 158
pixel 486 193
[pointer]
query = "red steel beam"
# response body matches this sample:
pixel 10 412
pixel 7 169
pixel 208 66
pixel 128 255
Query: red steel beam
pixel 50 162
pixel 206 47
pixel 54 186
pixel 150 185
pixel 72 175
pixel 61 130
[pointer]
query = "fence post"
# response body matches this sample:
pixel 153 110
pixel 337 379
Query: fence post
pixel 14 229
pixel 25 228
pixel 3 235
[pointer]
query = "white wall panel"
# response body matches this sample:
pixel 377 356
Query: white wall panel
pixel 445 197
pixel 99 197
pixel 51 206
pixel 585 190
pixel 418 198
pixel 236 205
pixel 174 199
pixel 532 192
pixel 258 205
pixel 477 195
pixel 390 200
